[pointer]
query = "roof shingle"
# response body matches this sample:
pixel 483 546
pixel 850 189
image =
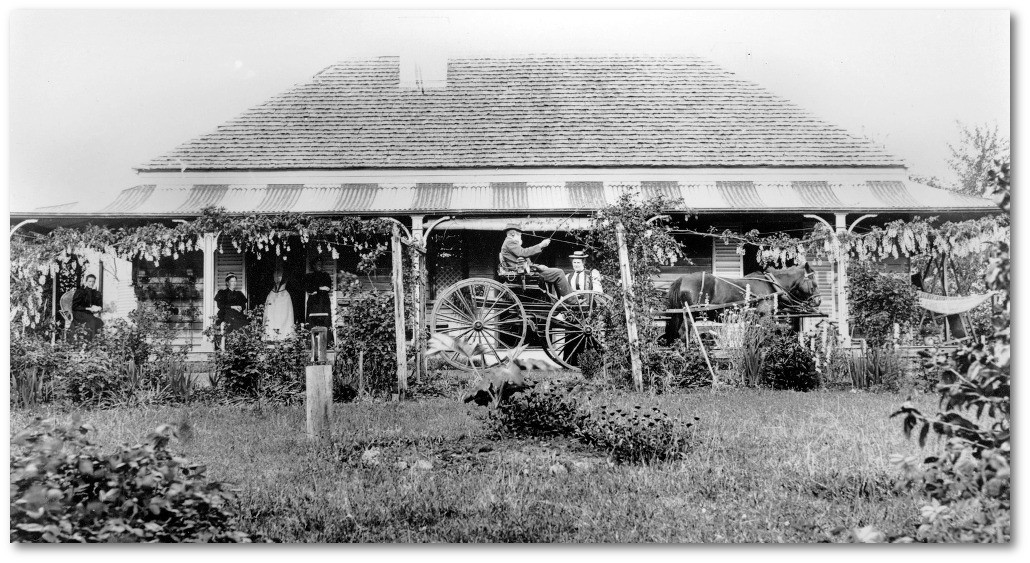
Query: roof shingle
pixel 526 112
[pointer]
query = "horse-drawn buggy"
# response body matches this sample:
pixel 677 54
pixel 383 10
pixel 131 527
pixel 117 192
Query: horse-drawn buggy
pixel 499 315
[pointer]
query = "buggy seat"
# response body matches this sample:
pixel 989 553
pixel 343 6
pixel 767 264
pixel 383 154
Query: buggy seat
pixel 524 277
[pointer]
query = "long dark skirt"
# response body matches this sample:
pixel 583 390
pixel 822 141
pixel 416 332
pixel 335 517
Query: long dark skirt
pixel 85 325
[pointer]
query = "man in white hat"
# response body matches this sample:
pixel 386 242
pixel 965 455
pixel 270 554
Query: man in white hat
pixel 580 279
pixel 514 257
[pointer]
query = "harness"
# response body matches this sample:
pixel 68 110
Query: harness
pixel 788 298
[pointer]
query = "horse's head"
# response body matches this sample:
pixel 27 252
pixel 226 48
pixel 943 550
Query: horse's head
pixel 799 282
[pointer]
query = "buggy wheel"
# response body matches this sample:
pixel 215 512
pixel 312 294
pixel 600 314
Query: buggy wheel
pixel 485 315
pixel 576 323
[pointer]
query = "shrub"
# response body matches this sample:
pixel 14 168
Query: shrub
pixel 683 367
pixel 130 362
pixel 878 301
pixel 969 484
pixel 788 364
pixel 367 325
pixel 63 489
pixel 250 368
pixel 635 434
pixel 537 412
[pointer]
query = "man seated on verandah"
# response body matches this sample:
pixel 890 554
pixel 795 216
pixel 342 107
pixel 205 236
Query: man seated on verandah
pixel 512 251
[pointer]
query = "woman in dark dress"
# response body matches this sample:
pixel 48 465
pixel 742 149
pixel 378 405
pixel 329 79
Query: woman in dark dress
pixel 230 304
pixel 86 304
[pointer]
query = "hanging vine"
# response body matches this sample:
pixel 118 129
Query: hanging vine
pixel 34 258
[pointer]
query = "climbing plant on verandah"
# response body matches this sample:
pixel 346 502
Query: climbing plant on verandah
pixel 650 244
pixel 34 258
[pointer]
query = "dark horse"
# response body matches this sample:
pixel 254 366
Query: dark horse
pixel 793 285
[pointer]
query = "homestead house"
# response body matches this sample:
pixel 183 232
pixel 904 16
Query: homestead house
pixel 540 140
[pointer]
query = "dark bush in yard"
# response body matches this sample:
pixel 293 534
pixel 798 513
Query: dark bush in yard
pixel 367 326
pixel 788 363
pixel 130 362
pixel 537 412
pixel 635 434
pixel 878 302
pixel 686 367
pixel 63 489
pixel 251 368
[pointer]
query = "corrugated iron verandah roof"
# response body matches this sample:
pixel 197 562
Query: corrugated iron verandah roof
pixel 486 198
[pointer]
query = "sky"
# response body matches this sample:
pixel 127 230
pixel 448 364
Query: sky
pixel 93 93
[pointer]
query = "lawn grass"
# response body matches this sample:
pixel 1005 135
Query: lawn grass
pixel 766 466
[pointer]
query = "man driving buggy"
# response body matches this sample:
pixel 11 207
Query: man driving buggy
pixel 514 258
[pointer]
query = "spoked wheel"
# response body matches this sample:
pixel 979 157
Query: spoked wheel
pixel 485 315
pixel 576 323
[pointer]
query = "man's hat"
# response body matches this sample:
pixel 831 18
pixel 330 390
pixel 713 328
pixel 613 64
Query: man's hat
pixel 513 227
pixel 579 254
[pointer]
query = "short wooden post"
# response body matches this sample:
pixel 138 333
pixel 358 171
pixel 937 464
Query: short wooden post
pixel 361 371
pixel 319 400
pixel 627 296
pixel 398 312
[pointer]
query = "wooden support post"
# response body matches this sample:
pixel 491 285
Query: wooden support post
pixel 631 321
pixel 210 283
pixel 843 320
pixel 319 400
pixel 418 298
pixel 398 312
pixel 55 272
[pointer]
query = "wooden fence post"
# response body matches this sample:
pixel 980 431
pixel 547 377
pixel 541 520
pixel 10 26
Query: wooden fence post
pixel 319 400
pixel 631 321
pixel 398 311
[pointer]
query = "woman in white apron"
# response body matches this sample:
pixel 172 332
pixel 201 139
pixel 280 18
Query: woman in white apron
pixel 278 311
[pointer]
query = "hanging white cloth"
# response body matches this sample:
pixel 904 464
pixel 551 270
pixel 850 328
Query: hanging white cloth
pixel 278 314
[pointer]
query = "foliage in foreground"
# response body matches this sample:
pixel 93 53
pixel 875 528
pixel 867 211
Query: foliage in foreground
pixel 64 489
pixel 969 483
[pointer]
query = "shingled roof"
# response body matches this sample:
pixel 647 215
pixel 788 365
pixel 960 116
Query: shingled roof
pixel 526 112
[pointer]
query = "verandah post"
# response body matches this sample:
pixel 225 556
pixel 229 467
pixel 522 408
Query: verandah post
pixel 418 292
pixel 398 311
pixel 631 321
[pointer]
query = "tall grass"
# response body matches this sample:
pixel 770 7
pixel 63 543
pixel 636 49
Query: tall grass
pixel 765 466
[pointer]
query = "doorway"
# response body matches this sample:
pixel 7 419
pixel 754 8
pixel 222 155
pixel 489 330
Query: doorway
pixel 260 272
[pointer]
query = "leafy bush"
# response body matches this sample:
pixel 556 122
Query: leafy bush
pixel 250 368
pixel 878 301
pixel 537 412
pixel 635 434
pixel 129 363
pixel 683 367
pixel 788 363
pixel 63 489
pixel 367 325
pixel 969 484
